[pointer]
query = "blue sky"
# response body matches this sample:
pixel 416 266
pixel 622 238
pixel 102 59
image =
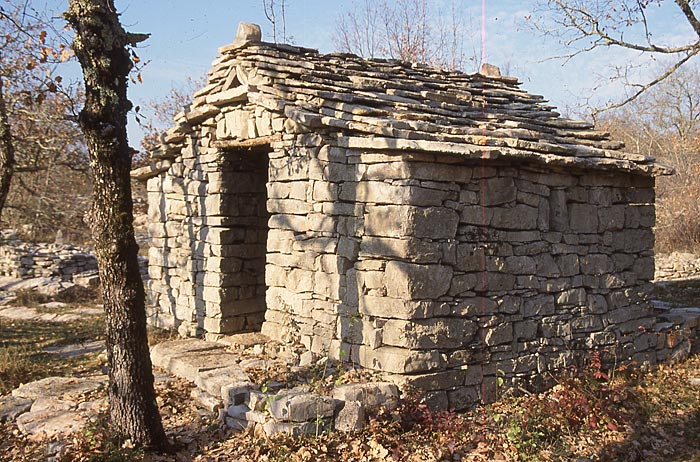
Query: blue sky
pixel 185 36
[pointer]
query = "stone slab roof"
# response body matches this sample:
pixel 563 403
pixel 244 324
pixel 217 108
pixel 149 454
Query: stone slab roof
pixel 396 106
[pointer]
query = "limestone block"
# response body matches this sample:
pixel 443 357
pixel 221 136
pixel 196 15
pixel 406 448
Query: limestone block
pixel 301 407
pixel 288 222
pixel 611 218
pixel 525 330
pixel 299 280
pixel 280 240
pixel 386 307
pixel 541 305
pixel 427 334
pixel 411 249
pixel 476 215
pixel 288 206
pixel 499 335
pixel 329 285
pixel 398 360
pixel 596 264
pixel 212 381
pixel 470 257
pixel 316 245
pixel 351 417
pixel 386 193
pixel 463 283
pixel 644 268
pixel 520 265
pixel 568 264
pixel 372 396
pixel 324 191
pixel 583 218
pixel 400 221
pixel 492 281
pixel 575 297
pixel 558 212
pixel 321 223
pixel 520 217
pixel 546 266
pixel 597 304
pixel 223 265
pixel 497 191
pixel 224 325
pixel 411 281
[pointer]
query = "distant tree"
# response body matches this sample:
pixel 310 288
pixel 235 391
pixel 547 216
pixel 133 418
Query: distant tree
pixel 408 30
pixel 276 14
pixel 585 25
pixel 100 44
pixel 42 152
pixel 665 122
pixel 160 113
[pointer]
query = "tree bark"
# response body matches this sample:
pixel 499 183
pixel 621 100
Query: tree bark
pixel 100 45
pixel 7 151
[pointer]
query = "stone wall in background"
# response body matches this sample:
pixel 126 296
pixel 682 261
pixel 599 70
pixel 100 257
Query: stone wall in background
pixel 21 260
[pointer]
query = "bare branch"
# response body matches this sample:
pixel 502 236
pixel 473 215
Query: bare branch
pixel 645 87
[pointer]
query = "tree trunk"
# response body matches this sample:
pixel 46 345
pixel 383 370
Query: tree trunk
pixel 100 45
pixel 7 151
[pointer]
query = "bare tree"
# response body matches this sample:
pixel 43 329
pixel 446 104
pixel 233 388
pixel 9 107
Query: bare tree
pixel 7 151
pixel 160 113
pixel 276 13
pixel 44 177
pixel 100 44
pixel 585 25
pixel 408 30
pixel 665 121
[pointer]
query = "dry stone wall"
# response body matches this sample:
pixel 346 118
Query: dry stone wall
pixel 427 269
pixel 374 225
pixel 22 260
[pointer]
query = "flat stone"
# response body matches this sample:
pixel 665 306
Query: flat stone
pixel 76 349
pixel 371 395
pixel 190 365
pixel 49 423
pixel 205 400
pixel 695 381
pixel 247 339
pixel 20 313
pixel 301 407
pixel 13 406
pixel 163 353
pixel 59 387
pixel 351 417
pixel 213 380
pixel 297 429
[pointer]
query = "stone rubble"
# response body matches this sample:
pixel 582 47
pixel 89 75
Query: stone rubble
pixel 53 406
pixel 243 404
pixel 676 265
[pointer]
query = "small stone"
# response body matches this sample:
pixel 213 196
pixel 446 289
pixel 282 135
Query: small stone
pixel 351 417
pixel 13 406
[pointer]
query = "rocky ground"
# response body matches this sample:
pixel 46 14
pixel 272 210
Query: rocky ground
pixel 58 413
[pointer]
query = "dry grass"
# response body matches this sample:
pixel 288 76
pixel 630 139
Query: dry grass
pixel 678 213
pixel 21 343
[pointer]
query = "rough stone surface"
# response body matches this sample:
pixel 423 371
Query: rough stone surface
pixel 384 222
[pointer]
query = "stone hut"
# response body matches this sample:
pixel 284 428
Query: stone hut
pixel 444 228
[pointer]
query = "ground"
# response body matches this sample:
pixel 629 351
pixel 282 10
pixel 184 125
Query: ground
pixel 590 415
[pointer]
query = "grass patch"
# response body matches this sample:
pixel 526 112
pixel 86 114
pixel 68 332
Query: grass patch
pixel 21 343
pixel 684 293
